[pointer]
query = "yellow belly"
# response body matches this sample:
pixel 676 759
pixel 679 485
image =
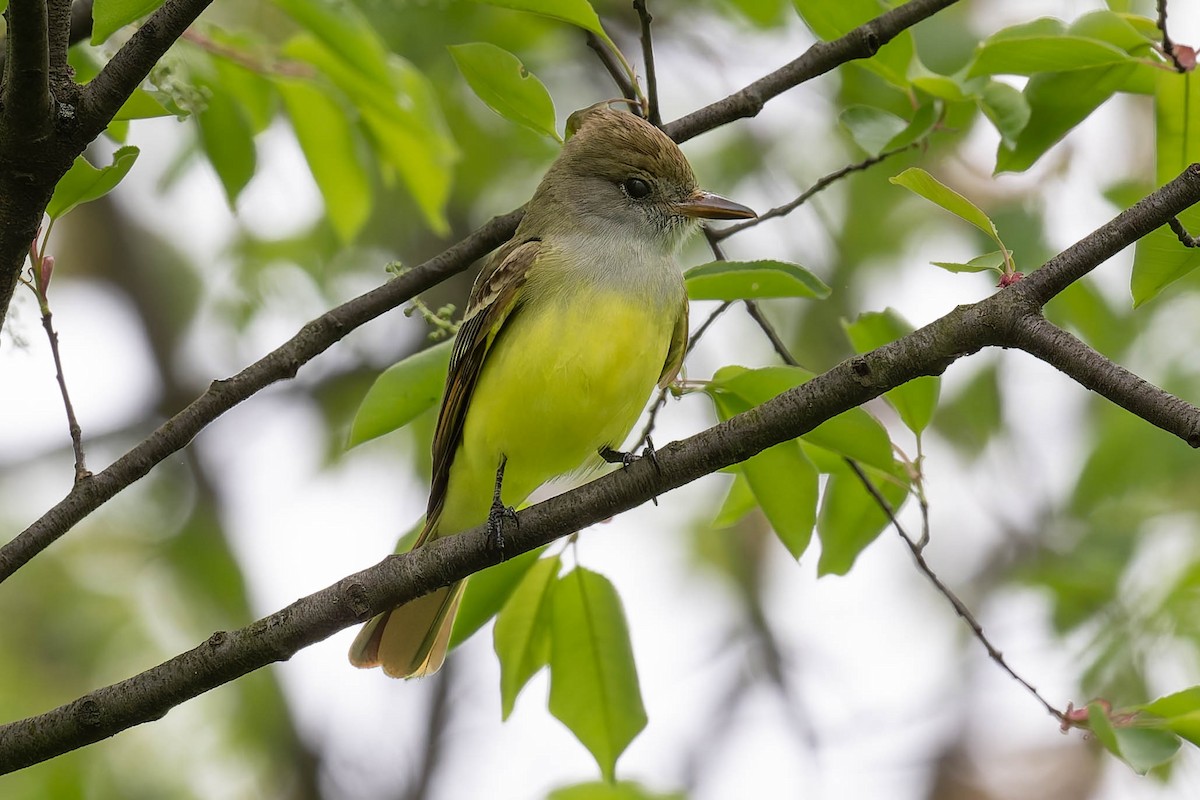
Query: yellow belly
pixel 559 384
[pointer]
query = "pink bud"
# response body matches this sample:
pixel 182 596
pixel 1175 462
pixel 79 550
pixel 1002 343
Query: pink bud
pixel 1186 56
pixel 46 271
pixel 1009 278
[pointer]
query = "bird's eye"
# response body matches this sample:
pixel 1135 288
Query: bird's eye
pixel 636 188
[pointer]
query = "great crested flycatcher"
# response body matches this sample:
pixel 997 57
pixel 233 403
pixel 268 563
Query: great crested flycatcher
pixel 568 328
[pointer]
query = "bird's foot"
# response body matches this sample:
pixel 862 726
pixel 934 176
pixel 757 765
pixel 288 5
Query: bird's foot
pixel 495 524
pixel 625 459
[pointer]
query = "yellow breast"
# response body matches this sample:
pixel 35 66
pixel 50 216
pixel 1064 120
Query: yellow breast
pixel 561 381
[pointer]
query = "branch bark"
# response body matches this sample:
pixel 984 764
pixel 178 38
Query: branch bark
pixel 125 71
pixel 862 42
pixel 1002 319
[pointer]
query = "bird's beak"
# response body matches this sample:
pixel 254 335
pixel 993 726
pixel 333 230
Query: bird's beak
pixel 712 206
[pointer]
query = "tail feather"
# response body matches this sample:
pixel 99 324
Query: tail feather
pixel 410 641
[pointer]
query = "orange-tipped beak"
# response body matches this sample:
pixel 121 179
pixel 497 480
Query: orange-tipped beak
pixel 712 206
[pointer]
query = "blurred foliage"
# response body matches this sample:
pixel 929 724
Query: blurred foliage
pixel 406 157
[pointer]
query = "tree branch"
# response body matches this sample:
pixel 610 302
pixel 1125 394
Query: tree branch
pixel 614 70
pixel 1039 337
pixel 125 71
pixel 822 183
pixel 283 362
pixel 59 16
pixel 399 579
pixel 960 608
pixel 26 114
pixel 644 16
pixel 862 42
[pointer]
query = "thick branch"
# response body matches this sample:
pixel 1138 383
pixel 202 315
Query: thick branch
pixel 59 16
pixel 1081 258
pixel 313 339
pixel 1039 337
pixel 862 42
pixel 398 579
pixel 106 93
pixel 27 106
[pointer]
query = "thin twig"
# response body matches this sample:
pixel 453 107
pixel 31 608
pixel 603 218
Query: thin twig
pixel 756 314
pixel 615 70
pixel 281 67
pixel 959 606
pixel 81 470
pixel 1185 238
pixel 648 57
pixel 1168 46
pixel 822 183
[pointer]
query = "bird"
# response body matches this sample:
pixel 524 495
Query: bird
pixel 568 328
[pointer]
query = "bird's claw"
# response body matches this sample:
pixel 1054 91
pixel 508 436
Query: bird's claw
pixel 495 524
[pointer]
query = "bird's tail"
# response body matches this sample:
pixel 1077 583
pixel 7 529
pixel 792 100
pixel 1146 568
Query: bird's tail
pixel 410 641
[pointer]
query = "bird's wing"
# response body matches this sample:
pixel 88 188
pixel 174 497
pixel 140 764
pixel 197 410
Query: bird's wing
pixel 678 348
pixel 494 296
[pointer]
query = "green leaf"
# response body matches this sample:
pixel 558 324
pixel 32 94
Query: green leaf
pixel 84 183
pixel 228 141
pixel 576 12
pixel 871 128
pixel 988 261
pixel 746 280
pixel 854 433
pixel 502 82
pixel 327 139
pixel 522 632
pixel 1058 101
pixel 623 790
pixel 921 182
pixel 783 481
pixel 1143 749
pixel 402 119
pixel 914 401
pixel 739 502
pixel 141 105
pixel 1118 30
pixel 922 123
pixel 109 16
pixel 400 393
pixel 1033 54
pixel 487 592
pixel 1160 259
pixel 254 93
pixel 851 519
pixel 593 680
pixel 955 88
pixel 1100 725
pixel 346 31
pixel 1042 26
pixel 1007 108
pixel 1180 713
